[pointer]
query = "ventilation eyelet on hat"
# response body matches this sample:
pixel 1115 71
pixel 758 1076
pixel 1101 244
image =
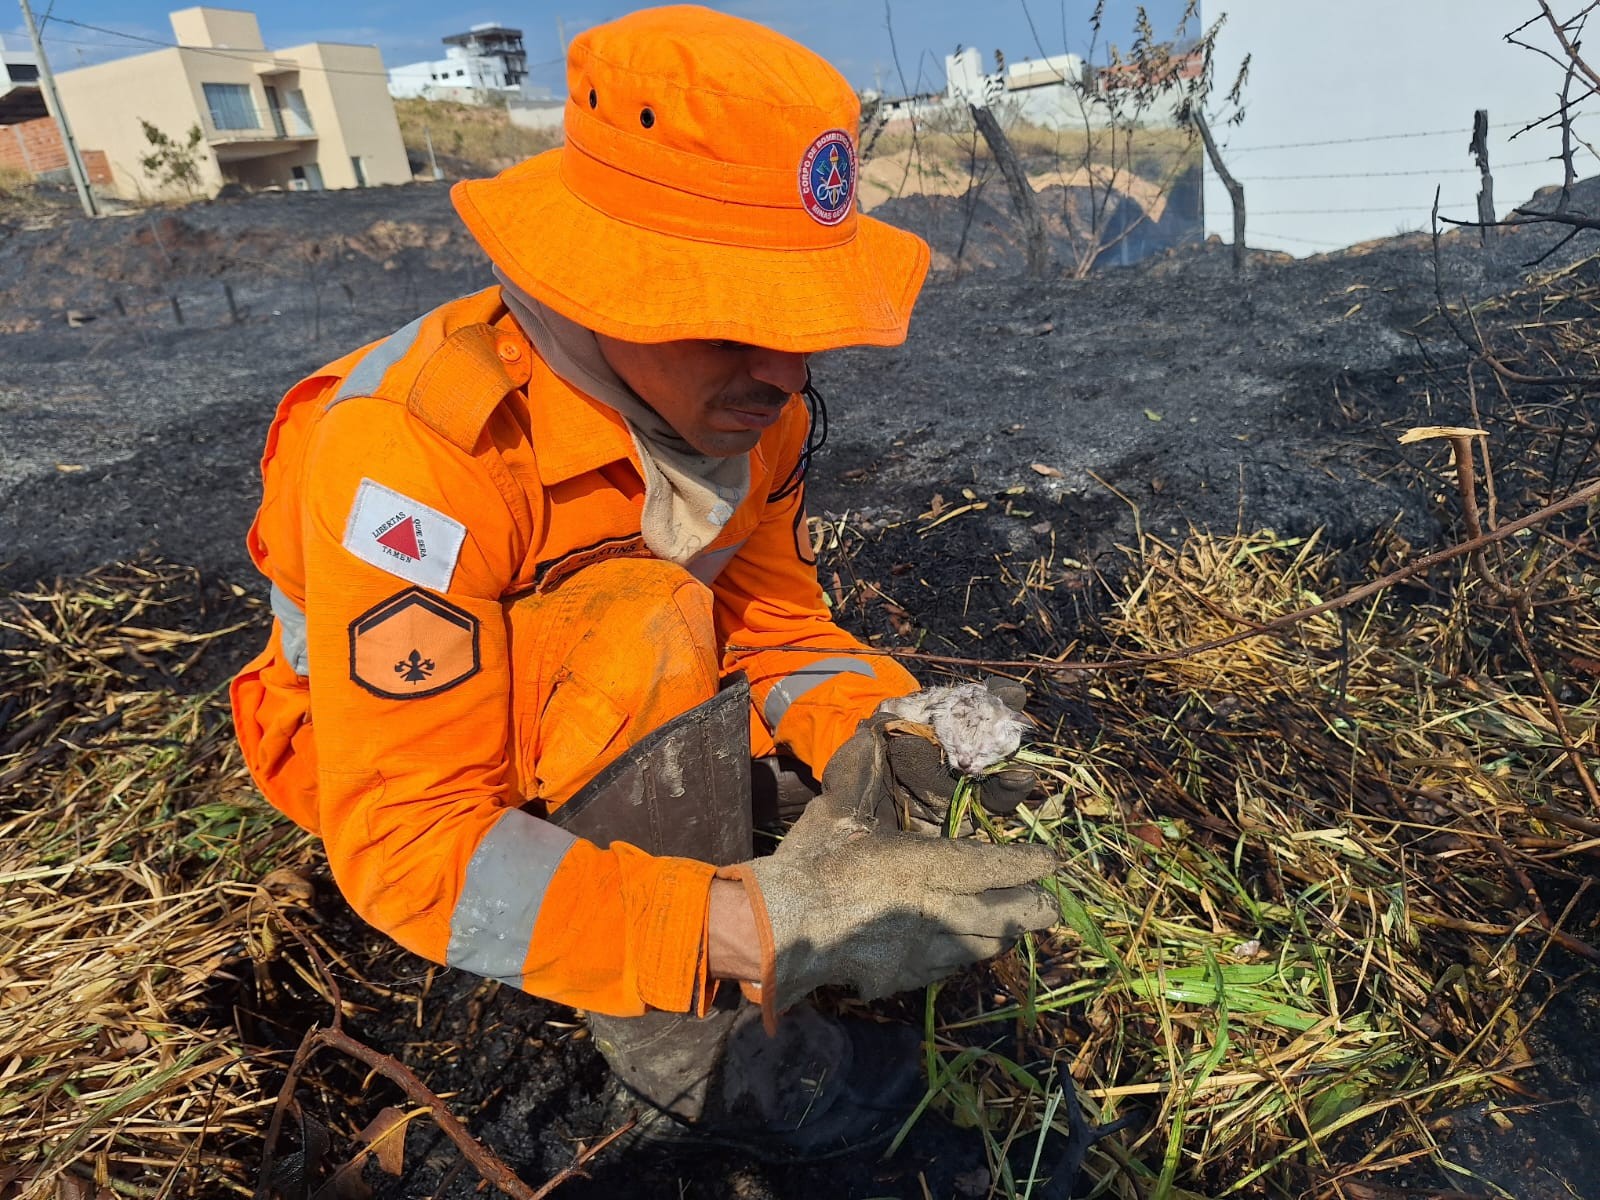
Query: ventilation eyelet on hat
pixel 593 99
pixel 646 118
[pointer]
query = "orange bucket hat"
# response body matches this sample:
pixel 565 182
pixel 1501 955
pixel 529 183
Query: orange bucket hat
pixel 706 189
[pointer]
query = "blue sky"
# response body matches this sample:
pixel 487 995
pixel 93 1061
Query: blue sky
pixel 850 33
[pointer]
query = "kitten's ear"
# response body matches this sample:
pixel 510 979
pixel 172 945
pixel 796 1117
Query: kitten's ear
pixel 1008 691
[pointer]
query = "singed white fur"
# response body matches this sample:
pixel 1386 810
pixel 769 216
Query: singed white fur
pixel 973 725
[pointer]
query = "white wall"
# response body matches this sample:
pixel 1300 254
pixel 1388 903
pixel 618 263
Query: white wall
pixel 1366 70
pixel 412 80
pixel 964 76
pixel 536 114
pixel 445 78
pixel 19 55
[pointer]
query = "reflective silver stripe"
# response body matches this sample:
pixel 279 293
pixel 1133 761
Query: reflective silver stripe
pixel 375 363
pixel 789 689
pixel 706 567
pixel 492 924
pixel 292 630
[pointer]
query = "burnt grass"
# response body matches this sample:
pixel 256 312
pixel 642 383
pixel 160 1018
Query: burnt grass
pixel 1078 414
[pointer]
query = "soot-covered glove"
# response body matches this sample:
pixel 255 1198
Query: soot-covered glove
pixel 970 729
pixel 849 902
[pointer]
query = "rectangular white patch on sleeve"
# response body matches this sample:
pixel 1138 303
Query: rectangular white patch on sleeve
pixel 403 536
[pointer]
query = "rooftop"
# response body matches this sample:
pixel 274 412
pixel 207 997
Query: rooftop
pixel 479 32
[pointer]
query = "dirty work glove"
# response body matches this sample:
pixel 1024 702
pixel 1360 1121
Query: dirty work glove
pixel 844 901
pixel 962 729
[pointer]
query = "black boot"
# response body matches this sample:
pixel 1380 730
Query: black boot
pixel 821 1087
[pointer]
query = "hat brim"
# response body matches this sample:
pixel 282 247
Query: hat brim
pixel 640 285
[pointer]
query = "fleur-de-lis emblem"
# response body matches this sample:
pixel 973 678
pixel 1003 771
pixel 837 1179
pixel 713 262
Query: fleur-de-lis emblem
pixel 414 668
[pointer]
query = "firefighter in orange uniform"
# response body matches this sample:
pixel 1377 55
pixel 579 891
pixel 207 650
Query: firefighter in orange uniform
pixel 511 544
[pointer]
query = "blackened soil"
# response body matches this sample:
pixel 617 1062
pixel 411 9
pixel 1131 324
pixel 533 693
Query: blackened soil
pixel 1195 396
pixel 523 1075
pixel 1076 413
pixel 1549 1149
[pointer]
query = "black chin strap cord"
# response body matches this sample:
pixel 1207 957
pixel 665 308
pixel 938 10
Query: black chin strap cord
pixel 816 436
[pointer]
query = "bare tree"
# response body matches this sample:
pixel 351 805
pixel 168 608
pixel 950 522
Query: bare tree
pixel 1158 81
pixel 1569 57
pixel 1036 240
pixel 1127 138
pixel 1235 188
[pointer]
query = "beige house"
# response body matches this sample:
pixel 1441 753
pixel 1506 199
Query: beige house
pixel 308 117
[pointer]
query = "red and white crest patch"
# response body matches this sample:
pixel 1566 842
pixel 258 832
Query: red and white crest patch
pixel 403 536
pixel 828 177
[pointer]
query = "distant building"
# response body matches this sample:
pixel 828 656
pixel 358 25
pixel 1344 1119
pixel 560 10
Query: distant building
pixel 1109 204
pixel 1122 76
pixel 30 140
pixel 1056 91
pixel 306 118
pixel 966 81
pixel 20 97
pixel 920 107
pixel 486 63
pixel 18 68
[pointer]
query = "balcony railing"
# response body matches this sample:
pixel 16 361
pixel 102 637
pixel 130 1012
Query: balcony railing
pixel 257 125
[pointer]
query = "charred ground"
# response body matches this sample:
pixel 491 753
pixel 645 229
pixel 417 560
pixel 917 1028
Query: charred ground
pixel 1200 397
pixel 1049 420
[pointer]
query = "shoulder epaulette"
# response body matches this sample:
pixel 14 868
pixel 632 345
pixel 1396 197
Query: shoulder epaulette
pixel 464 380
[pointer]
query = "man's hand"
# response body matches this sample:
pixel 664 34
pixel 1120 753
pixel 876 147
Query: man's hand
pixel 880 910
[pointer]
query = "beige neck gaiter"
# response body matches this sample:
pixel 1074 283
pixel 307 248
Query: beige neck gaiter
pixel 688 497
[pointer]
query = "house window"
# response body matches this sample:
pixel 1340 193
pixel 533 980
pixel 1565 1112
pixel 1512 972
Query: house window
pixel 296 114
pixel 360 170
pixel 231 106
pixel 275 107
pixel 23 73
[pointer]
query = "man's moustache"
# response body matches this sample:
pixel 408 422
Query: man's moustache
pixel 765 396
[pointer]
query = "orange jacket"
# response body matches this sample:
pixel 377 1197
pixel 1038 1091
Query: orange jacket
pixel 505 478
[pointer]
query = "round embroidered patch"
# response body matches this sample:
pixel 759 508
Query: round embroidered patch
pixel 828 177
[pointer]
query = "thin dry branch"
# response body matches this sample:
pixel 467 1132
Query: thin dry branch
pixel 1475 344
pixel 1570 47
pixel 491 1168
pixel 1557 717
pixel 1583 495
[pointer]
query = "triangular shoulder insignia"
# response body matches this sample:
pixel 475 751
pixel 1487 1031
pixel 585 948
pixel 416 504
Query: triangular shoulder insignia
pixel 464 380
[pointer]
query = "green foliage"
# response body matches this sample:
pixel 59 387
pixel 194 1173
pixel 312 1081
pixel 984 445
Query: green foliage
pixel 171 163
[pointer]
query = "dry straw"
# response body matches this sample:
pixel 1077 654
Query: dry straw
pixel 129 842
pixel 1313 882
pixel 1316 881
pixel 1297 937
pixel 1297 928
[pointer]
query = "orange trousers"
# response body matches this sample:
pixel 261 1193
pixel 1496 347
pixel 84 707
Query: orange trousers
pixel 616 651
